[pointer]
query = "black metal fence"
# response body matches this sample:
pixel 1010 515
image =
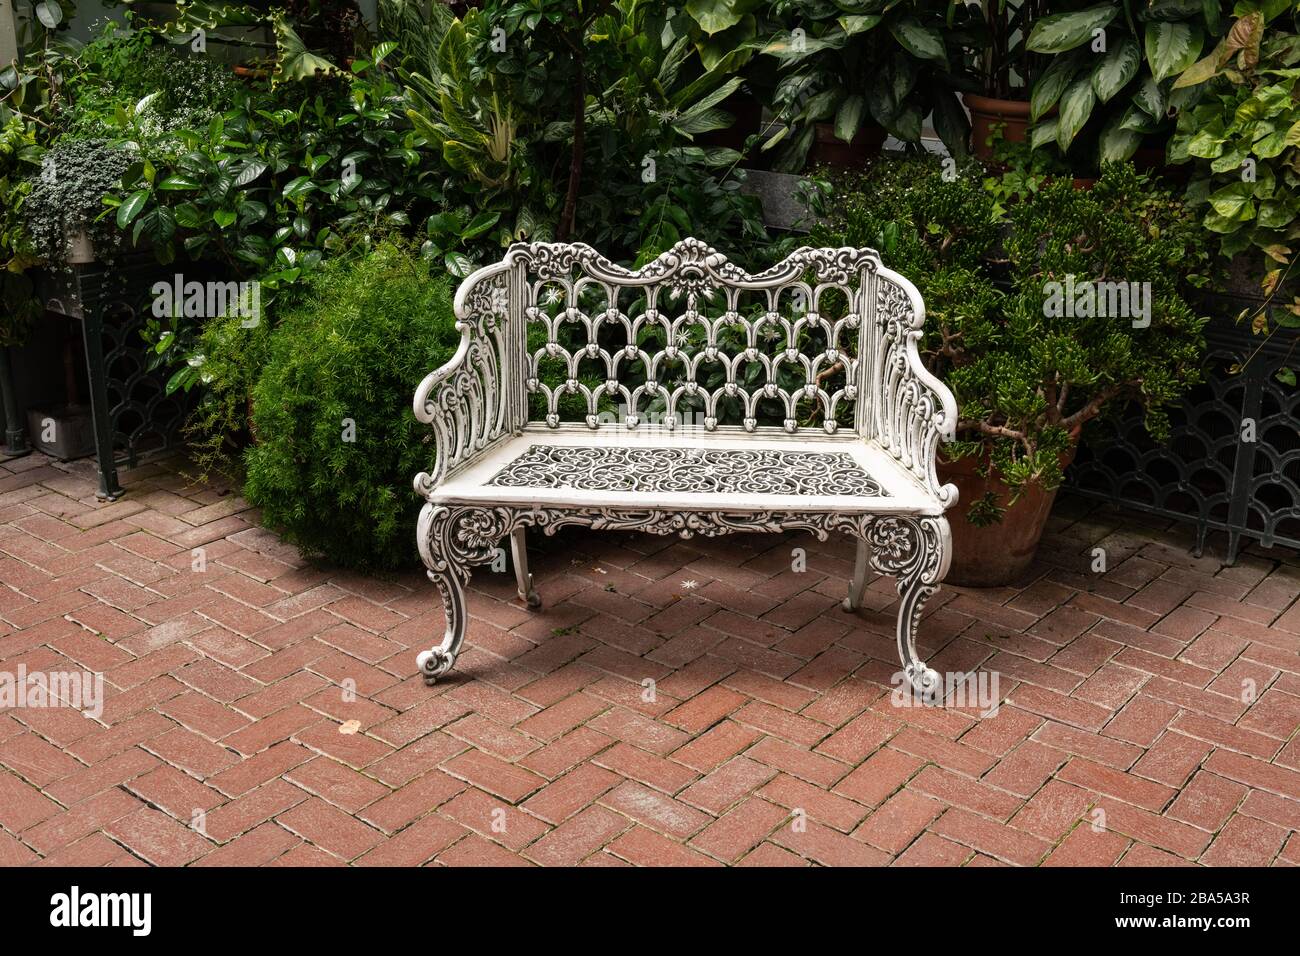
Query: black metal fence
pixel 1232 463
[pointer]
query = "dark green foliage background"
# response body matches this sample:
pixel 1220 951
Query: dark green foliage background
pixel 369 328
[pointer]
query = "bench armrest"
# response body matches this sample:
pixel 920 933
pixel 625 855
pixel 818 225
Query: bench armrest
pixel 468 400
pixel 913 409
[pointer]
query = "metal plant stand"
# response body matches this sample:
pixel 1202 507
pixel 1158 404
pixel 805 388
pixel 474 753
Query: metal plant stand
pixel 133 417
pixel 1232 463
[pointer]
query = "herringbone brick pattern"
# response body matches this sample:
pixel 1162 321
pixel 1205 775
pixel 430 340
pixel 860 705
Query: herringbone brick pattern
pixel 675 702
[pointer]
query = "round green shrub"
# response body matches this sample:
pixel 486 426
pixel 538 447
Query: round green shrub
pixel 336 441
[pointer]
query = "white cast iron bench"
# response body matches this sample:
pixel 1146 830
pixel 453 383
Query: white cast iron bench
pixel 790 399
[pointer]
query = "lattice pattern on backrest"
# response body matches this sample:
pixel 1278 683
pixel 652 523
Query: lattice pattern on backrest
pixel 692 338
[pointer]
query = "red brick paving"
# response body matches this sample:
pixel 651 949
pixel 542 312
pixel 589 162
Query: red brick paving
pixel 674 703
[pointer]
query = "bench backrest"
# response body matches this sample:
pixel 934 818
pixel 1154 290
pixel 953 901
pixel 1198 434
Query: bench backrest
pixel 692 339
pixel 557 334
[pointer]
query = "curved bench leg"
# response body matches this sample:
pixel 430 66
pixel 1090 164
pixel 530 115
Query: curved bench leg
pixel 451 541
pixel 858 586
pixel 523 580
pixel 917 552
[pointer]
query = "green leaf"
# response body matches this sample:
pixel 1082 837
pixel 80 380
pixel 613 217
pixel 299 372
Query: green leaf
pixel 188 215
pixel 1040 134
pixel 848 118
pixel 1151 99
pixel 1285 375
pixel 252 169
pixel 714 16
pixel 1233 202
pixel 921 41
pixel 458 264
pixel 950 121
pixel 1172 47
pixel 1065 31
pixel 1116 69
pixel 127 212
pixel 298 187
pixel 1117 144
pixel 1058 75
pixel 1076 106
pixel 224 217
pixel 858 24
pixel 49 13
pixel 177 182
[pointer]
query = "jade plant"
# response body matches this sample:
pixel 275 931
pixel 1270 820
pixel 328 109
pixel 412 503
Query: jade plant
pixel 1042 318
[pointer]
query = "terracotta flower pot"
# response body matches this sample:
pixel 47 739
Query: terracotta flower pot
pixel 830 149
pixel 998 554
pixel 986 112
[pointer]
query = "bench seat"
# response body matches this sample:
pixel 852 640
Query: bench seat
pixel 581 468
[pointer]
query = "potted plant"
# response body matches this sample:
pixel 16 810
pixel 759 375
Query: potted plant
pixel 1002 67
pixel 846 81
pixel 63 211
pixel 1040 320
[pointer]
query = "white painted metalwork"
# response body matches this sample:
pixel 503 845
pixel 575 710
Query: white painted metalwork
pixel 825 340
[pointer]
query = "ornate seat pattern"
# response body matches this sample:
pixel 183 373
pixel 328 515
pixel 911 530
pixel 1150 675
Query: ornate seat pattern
pixel 762 471
pixel 555 337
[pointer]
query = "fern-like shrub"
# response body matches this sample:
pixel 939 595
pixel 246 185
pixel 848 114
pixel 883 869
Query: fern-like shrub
pixel 336 444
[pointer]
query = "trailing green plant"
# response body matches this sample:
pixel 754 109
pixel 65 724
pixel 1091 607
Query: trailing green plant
pixel 1243 138
pixel 1030 354
pixel 849 63
pixel 66 196
pixel 336 441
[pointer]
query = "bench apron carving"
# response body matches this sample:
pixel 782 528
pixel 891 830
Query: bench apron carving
pixel 556 331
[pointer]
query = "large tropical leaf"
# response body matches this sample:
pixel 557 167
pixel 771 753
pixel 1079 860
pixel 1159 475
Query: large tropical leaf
pixel 1116 68
pixel 848 118
pixel 1058 75
pixel 919 40
pixel 950 121
pixel 714 16
pixel 1117 143
pixel 1172 47
pixel 1076 106
pixel 1065 31
pixel 293 60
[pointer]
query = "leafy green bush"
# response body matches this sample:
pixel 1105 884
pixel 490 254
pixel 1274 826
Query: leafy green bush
pixel 336 441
